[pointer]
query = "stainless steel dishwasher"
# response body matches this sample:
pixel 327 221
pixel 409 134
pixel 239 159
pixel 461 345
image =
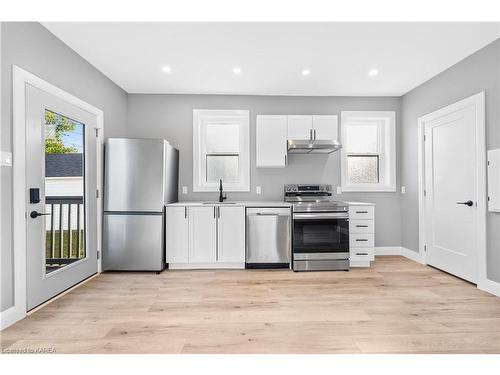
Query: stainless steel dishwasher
pixel 268 237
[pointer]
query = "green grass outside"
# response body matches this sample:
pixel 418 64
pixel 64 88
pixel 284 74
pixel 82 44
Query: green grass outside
pixel 65 254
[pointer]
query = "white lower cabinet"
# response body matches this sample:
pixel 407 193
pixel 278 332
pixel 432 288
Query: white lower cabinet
pixel 176 241
pixel 231 235
pixel 202 234
pixel 361 235
pixel 208 236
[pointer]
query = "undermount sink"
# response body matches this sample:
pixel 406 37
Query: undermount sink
pixel 217 202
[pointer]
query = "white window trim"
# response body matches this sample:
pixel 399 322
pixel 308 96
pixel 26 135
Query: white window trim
pixel 199 167
pixel 387 161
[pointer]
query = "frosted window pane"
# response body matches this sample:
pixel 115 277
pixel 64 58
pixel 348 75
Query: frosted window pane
pixel 222 166
pixel 362 169
pixel 362 138
pixel 222 138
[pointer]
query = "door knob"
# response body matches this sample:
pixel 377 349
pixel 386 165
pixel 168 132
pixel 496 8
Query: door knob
pixel 35 214
pixel 468 203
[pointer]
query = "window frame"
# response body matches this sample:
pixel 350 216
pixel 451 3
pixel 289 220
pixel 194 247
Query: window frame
pixel 203 117
pixel 386 153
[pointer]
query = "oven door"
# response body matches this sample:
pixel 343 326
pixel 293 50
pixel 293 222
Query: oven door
pixel 320 232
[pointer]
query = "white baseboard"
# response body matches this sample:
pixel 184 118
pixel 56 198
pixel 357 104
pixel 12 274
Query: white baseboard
pixel 489 286
pixel 10 316
pixel 413 255
pixel 388 250
pixel 359 263
pixel 205 266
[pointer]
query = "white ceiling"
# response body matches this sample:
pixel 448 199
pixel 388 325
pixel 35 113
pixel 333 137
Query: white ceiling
pixel 272 55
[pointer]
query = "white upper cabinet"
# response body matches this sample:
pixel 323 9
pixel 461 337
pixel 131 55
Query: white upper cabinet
pixel 271 138
pixel 231 234
pixel 300 127
pixel 325 127
pixel 315 127
pixel 202 234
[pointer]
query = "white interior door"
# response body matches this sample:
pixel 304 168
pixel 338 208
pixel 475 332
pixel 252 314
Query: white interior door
pixel 451 211
pixel 61 177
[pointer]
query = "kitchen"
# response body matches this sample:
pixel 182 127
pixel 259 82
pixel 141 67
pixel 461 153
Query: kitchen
pixel 215 233
pixel 254 200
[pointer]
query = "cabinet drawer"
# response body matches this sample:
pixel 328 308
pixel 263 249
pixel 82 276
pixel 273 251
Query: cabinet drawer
pixel 361 226
pixel 361 240
pixel 361 212
pixel 366 253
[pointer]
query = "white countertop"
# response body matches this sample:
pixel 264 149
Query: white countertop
pixel 254 203
pixel 236 203
pixel 360 203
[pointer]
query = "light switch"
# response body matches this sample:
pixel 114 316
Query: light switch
pixel 339 190
pixel 403 189
pixel 6 159
pixel 184 190
pixel 258 189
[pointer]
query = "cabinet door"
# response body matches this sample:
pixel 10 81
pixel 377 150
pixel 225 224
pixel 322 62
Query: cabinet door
pixel 176 241
pixel 202 234
pixel 299 127
pixel 231 232
pixel 325 127
pixel 270 144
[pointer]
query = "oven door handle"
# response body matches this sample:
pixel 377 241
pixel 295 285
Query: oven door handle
pixel 320 216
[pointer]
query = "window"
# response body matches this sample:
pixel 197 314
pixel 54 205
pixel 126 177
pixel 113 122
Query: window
pixel 221 150
pixel 369 151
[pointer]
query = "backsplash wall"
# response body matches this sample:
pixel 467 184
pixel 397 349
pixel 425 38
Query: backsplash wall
pixel 170 117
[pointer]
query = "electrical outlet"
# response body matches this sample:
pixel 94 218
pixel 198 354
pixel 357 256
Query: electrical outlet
pixel 339 190
pixel 184 190
pixel 403 189
pixel 6 159
pixel 258 189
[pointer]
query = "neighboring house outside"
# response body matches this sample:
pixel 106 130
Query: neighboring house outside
pixel 64 177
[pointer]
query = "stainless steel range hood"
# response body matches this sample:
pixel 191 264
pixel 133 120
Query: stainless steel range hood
pixel 306 146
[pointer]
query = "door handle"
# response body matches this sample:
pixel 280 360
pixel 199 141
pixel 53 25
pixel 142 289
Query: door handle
pixel 35 214
pixel 467 203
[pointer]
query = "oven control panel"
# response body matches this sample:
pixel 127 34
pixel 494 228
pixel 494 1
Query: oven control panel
pixel 297 189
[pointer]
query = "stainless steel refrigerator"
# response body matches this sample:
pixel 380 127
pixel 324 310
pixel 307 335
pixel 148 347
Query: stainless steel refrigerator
pixel 140 178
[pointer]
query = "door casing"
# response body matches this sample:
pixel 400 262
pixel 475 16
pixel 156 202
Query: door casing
pixel 478 102
pixel 20 79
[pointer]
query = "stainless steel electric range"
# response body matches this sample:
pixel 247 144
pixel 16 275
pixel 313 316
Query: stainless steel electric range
pixel 320 235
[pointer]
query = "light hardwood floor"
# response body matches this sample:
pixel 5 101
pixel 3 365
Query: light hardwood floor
pixel 396 306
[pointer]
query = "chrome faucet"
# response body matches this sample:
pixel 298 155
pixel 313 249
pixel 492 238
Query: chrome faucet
pixel 222 196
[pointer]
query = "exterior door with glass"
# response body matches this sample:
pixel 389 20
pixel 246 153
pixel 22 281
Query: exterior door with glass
pixel 61 177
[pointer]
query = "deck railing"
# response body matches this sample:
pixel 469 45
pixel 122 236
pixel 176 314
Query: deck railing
pixel 65 230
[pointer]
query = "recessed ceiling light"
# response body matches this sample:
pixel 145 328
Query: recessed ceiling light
pixel 236 70
pixel 306 72
pixel 166 69
pixel 373 72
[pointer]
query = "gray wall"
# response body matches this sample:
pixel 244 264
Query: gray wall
pixel 35 49
pixel 478 72
pixel 32 47
pixel 171 117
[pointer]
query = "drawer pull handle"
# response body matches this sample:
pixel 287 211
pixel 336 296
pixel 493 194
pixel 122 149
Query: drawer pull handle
pixel 361 226
pixel 361 212
pixel 361 253
pixel 361 240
